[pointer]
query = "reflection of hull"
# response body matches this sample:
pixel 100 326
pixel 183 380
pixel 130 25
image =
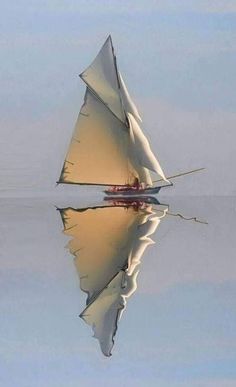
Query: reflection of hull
pixel 134 192
pixel 130 200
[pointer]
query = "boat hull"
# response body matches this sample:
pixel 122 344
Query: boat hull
pixel 132 192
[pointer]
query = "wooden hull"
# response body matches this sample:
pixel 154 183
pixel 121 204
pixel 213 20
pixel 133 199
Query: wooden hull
pixel 132 192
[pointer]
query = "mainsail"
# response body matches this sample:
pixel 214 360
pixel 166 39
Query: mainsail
pixel 107 243
pixel 108 146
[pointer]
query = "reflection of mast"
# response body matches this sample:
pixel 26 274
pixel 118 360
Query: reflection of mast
pixel 108 243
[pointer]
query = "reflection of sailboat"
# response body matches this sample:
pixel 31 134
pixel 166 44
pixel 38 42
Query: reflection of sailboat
pixel 108 243
pixel 108 146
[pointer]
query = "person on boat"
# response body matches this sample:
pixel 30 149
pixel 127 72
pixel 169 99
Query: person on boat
pixel 136 184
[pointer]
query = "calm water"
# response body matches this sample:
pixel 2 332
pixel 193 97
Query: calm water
pixel 178 326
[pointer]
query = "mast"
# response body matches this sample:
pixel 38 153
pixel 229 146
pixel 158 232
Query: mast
pixel 108 147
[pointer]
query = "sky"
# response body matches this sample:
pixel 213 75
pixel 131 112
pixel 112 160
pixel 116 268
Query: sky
pixel 177 58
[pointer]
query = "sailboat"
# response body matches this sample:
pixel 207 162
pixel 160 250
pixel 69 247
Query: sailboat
pixel 107 242
pixel 108 146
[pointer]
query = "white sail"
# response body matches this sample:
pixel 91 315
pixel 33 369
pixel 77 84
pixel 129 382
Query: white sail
pixel 144 176
pixel 99 148
pixel 102 78
pixel 143 173
pixel 143 149
pixel 108 147
pixel 128 104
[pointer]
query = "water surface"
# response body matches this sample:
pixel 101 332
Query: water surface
pixel 177 329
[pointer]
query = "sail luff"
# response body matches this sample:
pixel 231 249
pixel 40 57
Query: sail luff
pixel 115 62
pixel 119 83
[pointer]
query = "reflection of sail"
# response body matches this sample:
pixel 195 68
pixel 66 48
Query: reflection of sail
pixel 108 243
pixel 104 313
pixel 101 242
pixel 108 147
